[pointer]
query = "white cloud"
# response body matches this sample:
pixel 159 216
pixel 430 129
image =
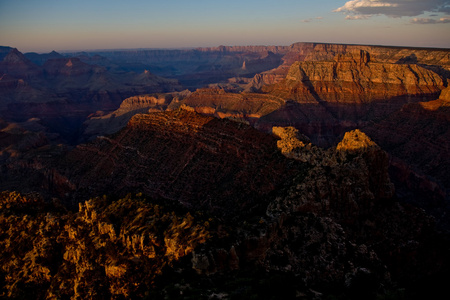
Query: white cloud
pixel 394 8
pixel 357 17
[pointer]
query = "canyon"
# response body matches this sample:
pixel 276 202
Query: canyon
pixel 311 170
pixel 223 200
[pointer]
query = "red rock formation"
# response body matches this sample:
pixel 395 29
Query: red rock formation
pixel 437 60
pixel 321 51
pixel 355 79
pixel 113 122
pixel 221 104
pixel 330 97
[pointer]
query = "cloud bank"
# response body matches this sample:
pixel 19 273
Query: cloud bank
pixel 360 9
pixel 430 21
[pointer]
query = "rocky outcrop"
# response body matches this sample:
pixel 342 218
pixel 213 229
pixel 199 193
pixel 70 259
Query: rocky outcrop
pixel 262 79
pixel 445 95
pixel 356 158
pixel 104 250
pixel 329 190
pixel 338 236
pixel 297 146
pixel 113 122
pixel 221 104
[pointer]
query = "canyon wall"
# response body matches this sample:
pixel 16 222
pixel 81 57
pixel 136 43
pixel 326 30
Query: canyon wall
pixel 437 60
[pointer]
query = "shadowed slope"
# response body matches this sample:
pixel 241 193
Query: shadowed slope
pixel 197 160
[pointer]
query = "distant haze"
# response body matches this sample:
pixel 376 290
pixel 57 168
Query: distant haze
pixel 45 25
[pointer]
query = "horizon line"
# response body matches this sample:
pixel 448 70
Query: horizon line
pixel 66 51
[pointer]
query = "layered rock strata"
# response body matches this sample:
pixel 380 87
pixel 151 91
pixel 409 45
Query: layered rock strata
pixel 327 98
pixel 221 104
pixel 355 79
pixel 118 119
pixel 437 60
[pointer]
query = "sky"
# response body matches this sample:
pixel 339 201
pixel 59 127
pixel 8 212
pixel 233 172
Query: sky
pixel 46 25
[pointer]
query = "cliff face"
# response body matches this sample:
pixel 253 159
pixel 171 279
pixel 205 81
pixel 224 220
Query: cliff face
pixel 353 78
pixel 321 51
pixel 419 134
pixel 437 60
pixel 331 97
pixel 356 158
pixel 321 98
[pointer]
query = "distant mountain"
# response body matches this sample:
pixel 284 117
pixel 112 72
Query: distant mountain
pixel 40 59
pixel 16 64
pixel 63 91
pixel 198 67
pixel 4 51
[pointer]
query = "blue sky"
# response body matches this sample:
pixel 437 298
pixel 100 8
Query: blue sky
pixel 45 25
